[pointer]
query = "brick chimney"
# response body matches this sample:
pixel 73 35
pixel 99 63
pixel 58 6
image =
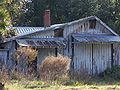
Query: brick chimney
pixel 47 20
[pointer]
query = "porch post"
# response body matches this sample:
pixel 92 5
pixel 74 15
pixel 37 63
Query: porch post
pixel 112 51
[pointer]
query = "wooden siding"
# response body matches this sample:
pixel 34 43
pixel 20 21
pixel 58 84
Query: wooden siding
pixel 11 49
pixel 83 27
pixel 101 57
pixel 3 57
pixel 116 54
pixel 83 57
pixel 93 58
pixel 60 51
pixel 43 53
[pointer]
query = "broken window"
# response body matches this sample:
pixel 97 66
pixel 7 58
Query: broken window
pixel 92 24
pixel 58 32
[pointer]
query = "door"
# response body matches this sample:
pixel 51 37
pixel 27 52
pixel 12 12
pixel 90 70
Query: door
pixel 101 57
pixel 93 58
pixel 82 59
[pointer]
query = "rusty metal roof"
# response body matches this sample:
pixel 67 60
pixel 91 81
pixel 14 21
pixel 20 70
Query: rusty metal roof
pixel 95 38
pixel 42 42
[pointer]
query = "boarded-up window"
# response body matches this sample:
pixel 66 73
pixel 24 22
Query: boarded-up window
pixel 58 33
pixel 92 24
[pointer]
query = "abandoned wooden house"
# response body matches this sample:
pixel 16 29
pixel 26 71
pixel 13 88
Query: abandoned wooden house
pixel 89 42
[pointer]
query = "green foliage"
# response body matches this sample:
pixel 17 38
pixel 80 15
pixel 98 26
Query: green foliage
pixel 4 18
pixel 69 10
pixel 113 73
pixel 30 12
pixel 10 10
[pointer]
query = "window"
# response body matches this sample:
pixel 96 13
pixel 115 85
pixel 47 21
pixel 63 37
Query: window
pixel 58 32
pixel 92 24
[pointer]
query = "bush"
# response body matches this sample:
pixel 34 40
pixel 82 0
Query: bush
pixel 25 58
pixel 26 53
pixel 54 68
pixel 113 73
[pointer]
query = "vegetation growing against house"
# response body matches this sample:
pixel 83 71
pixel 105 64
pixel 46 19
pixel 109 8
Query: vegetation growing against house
pixel 25 59
pixel 55 68
pixel 26 53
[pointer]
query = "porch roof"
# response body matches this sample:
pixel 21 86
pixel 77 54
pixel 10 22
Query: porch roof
pixel 42 42
pixel 96 38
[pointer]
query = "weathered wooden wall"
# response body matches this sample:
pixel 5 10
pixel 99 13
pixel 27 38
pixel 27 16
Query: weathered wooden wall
pixel 116 54
pixel 43 53
pixel 93 58
pixel 83 27
pixel 11 46
pixel 3 57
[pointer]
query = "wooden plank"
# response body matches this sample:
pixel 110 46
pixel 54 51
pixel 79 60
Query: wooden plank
pixel 3 57
pixel 43 53
pixel 102 57
pixel 82 57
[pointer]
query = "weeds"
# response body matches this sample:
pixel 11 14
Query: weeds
pixel 54 68
pixel 80 75
pixel 25 58
pixel 113 73
pixel 4 74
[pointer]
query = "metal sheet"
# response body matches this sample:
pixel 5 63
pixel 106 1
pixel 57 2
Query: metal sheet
pixel 95 38
pixel 43 42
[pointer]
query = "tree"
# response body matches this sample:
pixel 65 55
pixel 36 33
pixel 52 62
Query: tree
pixel 4 16
pixel 10 11
pixel 61 11
pixel 30 12
pixel 116 22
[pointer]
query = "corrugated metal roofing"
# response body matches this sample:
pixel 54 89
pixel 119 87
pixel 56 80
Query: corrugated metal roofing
pixel 25 30
pixel 42 42
pixel 28 30
pixel 95 38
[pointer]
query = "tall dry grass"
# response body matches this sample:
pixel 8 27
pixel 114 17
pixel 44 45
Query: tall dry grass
pixel 54 68
pixel 80 75
pixel 26 53
pixel 25 58
pixel 4 74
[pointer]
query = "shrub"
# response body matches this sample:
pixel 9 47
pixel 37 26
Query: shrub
pixel 25 57
pixel 113 73
pixel 26 53
pixel 54 68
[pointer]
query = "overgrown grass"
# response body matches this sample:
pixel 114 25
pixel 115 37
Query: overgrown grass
pixel 95 83
pixel 38 85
